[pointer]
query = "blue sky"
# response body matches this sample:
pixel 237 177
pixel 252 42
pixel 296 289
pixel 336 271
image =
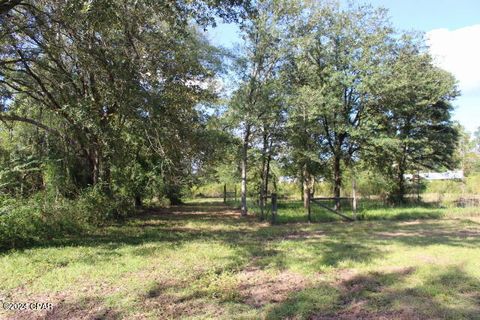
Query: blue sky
pixel 453 32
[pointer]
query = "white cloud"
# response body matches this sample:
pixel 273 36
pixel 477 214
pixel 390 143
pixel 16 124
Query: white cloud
pixel 458 51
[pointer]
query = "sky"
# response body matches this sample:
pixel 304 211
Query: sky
pixel 452 30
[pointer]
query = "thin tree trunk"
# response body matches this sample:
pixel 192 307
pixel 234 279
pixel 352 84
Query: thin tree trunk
pixel 244 209
pixel 301 187
pixel 312 186
pixel 224 193
pixel 95 166
pixel 400 194
pixel 354 198
pixel 306 187
pixel 337 181
pixel 138 201
pixel 263 175
pixel 266 159
pixel 267 172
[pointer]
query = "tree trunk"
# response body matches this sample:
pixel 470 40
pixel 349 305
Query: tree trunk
pixel 306 187
pixel 224 193
pixel 138 201
pixel 312 186
pixel 173 196
pixel 354 198
pixel 94 160
pixel 302 195
pixel 400 194
pixel 267 173
pixel 246 137
pixel 266 159
pixel 263 177
pixel 337 181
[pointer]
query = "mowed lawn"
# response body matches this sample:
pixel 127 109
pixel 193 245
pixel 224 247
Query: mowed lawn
pixel 203 261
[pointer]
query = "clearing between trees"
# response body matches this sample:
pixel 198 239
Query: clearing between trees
pixel 203 261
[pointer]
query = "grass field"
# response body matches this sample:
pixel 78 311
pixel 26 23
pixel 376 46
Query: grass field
pixel 292 211
pixel 203 261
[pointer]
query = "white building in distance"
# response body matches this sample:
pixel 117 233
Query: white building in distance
pixel 449 175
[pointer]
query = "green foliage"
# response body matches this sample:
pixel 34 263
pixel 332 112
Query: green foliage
pixel 443 187
pixel 106 104
pixel 371 184
pixel 110 98
pixel 211 190
pixel 46 216
pixel 289 190
pixel 331 74
pixel 448 191
pixel 414 128
pixel 467 153
pixel 292 211
pixel 476 140
pixel 473 184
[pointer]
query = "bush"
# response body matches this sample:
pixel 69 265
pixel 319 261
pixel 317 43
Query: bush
pixel 209 190
pixel 473 184
pixel 444 187
pixel 99 207
pixel 45 216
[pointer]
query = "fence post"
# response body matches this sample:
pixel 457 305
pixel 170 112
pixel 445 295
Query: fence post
pixel 354 199
pixel 224 193
pixel 235 193
pixel 262 203
pixel 309 210
pixel 274 208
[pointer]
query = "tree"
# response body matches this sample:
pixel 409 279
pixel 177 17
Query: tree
pixel 250 106
pixel 414 129
pixel 335 64
pixel 476 139
pixel 465 152
pixel 7 5
pixel 107 77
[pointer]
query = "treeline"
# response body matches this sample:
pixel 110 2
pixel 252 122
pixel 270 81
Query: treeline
pixel 328 89
pixel 106 104
pixel 107 92
pixel 99 106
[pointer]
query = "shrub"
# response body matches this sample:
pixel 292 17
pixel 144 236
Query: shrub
pixel 46 215
pixel 473 184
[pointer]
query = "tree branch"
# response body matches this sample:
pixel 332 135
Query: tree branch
pixel 7 5
pixel 40 125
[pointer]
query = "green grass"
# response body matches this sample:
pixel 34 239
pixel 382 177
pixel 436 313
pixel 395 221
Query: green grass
pixel 292 211
pixel 202 261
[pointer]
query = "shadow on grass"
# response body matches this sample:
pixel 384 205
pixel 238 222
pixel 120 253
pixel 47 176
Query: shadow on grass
pixel 292 211
pixel 332 243
pixel 447 294
pixel 426 233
